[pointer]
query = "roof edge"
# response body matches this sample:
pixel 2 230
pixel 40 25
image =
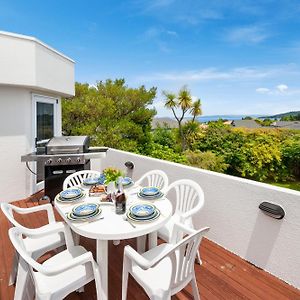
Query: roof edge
pixel 33 39
pixel 35 88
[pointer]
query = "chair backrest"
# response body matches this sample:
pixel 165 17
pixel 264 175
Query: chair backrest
pixel 77 178
pixel 7 210
pixel 182 256
pixel 189 195
pixel 183 259
pixel 155 178
pixel 16 236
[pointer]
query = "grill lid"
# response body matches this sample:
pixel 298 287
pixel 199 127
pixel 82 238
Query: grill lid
pixel 68 144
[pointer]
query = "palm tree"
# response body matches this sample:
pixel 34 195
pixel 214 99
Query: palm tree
pixel 184 99
pixel 170 99
pixel 196 109
pixel 184 102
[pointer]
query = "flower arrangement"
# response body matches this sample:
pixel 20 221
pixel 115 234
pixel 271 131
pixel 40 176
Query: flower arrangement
pixel 112 174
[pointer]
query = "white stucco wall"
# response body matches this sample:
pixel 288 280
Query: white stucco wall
pixel 27 67
pixel 54 72
pixel 26 61
pixel 231 210
pixel 15 140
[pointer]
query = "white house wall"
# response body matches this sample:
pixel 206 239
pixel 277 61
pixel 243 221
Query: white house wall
pixel 17 61
pixel 15 140
pixel 26 61
pixel 54 72
pixel 231 210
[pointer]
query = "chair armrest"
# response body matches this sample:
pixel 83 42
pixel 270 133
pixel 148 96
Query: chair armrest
pixel 191 212
pixel 79 260
pixel 28 210
pixel 185 229
pixel 178 232
pixel 130 253
pixel 57 227
pixel 142 261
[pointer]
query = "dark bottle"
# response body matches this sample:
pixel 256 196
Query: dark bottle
pixel 120 198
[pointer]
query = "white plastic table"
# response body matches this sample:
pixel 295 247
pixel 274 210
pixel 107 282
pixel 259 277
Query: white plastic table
pixel 114 227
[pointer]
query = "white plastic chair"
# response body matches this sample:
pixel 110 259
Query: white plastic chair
pixel 155 178
pixel 36 246
pixel 166 269
pixel 189 201
pixel 61 274
pixel 77 178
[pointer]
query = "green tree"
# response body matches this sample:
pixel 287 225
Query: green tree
pixel 166 153
pixel 206 160
pixel 184 104
pixel 291 117
pixel 196 109
pixel 192 134
pixel 165 136
pixel 111 113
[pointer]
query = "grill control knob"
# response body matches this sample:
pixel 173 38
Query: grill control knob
pixel 49 161
pixel 78 159
pixel 59 160
pixel 68 160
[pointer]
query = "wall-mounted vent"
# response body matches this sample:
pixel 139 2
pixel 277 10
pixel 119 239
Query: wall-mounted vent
pixel 272 210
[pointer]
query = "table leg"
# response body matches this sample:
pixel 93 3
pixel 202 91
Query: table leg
pixel 152 239
pixel 102 260
pixel 141 244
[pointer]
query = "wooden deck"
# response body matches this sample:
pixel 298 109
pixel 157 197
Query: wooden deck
pixel 222 275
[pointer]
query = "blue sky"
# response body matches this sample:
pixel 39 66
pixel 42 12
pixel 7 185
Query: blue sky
pixel 239 57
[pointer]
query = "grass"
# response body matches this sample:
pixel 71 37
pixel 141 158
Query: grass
pixel 289 185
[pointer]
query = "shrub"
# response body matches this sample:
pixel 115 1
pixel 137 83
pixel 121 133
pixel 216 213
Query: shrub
pixel 206 160
pixel 165 136
pixel 166 153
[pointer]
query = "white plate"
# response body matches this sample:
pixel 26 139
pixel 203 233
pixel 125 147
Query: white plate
pixel 142 220
pixel 71 217
pixel 70 193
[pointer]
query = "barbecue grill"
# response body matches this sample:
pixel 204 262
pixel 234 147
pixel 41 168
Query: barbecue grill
pixel 60 157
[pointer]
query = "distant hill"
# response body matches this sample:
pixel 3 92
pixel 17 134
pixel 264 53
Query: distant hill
pixel 170 122
pixel 279 116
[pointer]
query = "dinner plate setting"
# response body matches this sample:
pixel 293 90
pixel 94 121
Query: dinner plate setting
pixel 150 193
pixel 127 182
pixel 71 195
pixel 84 212
pixel 143 212
pixel 94 180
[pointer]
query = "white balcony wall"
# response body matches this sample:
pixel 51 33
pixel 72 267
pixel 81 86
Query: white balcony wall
pixel 231 210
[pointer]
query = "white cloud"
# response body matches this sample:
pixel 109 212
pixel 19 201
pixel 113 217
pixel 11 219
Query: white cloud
pixel 237 74
pixel 159 104
pixel 263 90
pixel 160 37
pixel 160 3
pixel 172 33
pixel 156 32
pixel 249 34
pixel 282 88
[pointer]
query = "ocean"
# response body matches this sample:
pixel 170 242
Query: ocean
pixel 204 119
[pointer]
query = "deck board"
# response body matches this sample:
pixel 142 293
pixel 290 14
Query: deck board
pixel 223 275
